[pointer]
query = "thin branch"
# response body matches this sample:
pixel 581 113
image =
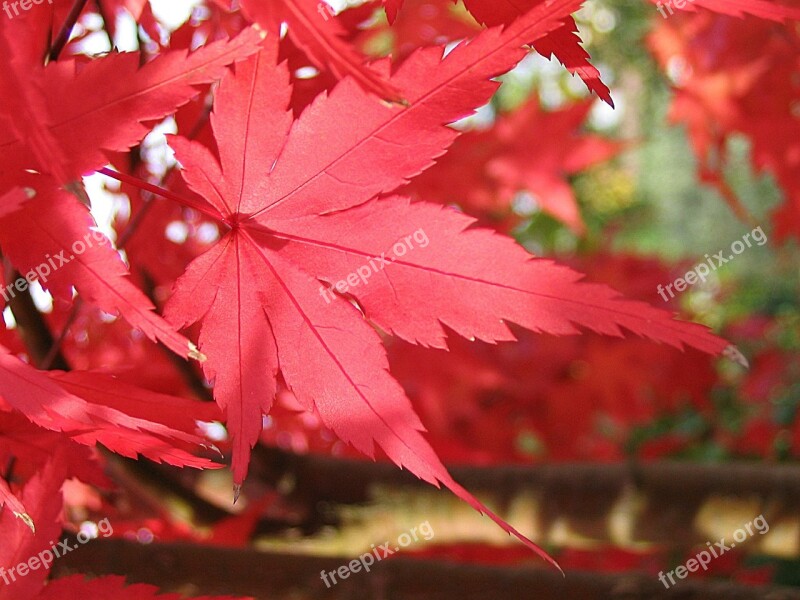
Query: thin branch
pixel 33 330
pixel 63 35
pixel 55 349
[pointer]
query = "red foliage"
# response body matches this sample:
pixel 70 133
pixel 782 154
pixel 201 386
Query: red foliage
pixel 722 88
pixel 295 259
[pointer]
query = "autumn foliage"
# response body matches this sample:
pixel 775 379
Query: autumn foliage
pixel 321 252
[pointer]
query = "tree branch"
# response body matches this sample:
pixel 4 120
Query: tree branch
pixel 209 570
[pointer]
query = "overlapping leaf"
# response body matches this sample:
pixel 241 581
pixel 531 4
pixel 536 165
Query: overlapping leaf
pixel 61 118
pixel 42 496
pixel 51 240
pixel 84 407
pixel 21 545
pixel 723 89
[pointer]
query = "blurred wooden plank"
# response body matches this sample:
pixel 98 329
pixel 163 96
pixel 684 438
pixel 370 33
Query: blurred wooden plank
pixel 194 569
pixel 631 506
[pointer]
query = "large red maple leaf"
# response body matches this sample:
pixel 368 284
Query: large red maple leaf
pixel 302 216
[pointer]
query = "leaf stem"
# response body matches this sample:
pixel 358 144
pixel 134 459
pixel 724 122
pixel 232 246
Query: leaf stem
pixel 159 191
pixel 63 35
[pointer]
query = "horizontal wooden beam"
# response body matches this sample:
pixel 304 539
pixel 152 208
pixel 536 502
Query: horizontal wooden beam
pixel 195 569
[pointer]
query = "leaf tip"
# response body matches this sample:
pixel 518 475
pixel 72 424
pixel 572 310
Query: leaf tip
pixel 237 490
pixel 195 353
pixel 26 518
pixel 734 354
pixel 213 448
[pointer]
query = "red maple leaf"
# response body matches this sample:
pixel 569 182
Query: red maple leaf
pixel 51 240
pixel 303 216
pixel 763 9
pixel 722 89
pixel 26 538
pixel 79 404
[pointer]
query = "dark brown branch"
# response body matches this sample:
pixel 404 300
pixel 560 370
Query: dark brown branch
pixel 54 354
pixel 671 504
pixel 33 330
pixel 63 35
pixel 209 570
